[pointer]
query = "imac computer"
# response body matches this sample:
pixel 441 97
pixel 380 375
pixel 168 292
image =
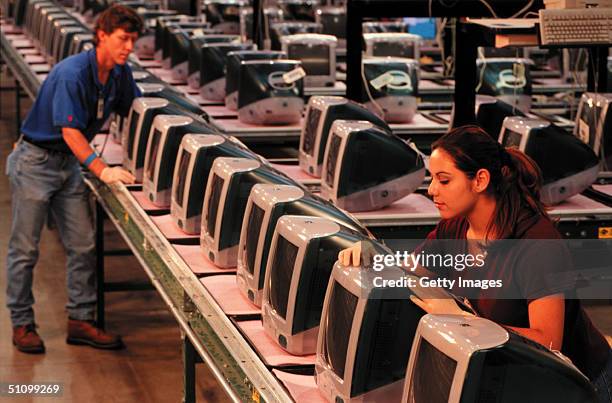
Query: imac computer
pixel 280 29
pixel 491 112
pixel 193 165
pixel 137 127
pixel 176 48
pixel 167 132
pixel 391 88
pixel 168 33
pixel 213 59
pixel 266 205
pixel 333 22
pixel 321 113
pixel 43 32
pixel 508 79
pixel 267 95
pixel 366 168
pixel 317 52
pixel 568 165
pixel 463 359
pixel 80 43
pixel 62 47
pixel 232 71
pixel 53 38
pixel 594 125
pixel 160 32
pixel 365 337
pixel 147 89
pixel 299 10
pixel 393 44
pixel 381 27
pixel 224 15
pixel 272 15
pixel 227 191
pixel 195 46
pixel 303 252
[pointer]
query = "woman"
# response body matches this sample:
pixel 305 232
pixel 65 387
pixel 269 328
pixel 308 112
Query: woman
pixel 484 193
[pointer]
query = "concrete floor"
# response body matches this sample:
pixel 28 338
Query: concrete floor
pixel 149 370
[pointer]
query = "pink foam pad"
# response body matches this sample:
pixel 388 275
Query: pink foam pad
pixel 419 121
pixel 232 125
pixel 112 153
pixel 580 202
pixel 42 77
pixel 22 43
pixel 296 173
pixel 169 229
pixel 185 89
pixel 607 189
pixel 197 98
pixel 34 59
pixel 217 111
pixel 10 28
pixel 165 75
pixel 551 81
pixel 149 63
pixel 197 260
pixel 269 351
pixel 302 388
pixel 40 68
pixel 225 291
pixel 28 51
pixel 413 204
pixel 144 202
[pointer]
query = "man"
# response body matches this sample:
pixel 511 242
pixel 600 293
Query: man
pixel 45 175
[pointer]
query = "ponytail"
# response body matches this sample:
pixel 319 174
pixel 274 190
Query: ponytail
pixel 515 178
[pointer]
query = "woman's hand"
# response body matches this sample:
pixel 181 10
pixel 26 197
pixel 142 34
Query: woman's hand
pixel 444 306
pixel 360 253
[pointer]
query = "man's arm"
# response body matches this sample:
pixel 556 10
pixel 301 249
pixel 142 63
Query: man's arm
pixel 77 142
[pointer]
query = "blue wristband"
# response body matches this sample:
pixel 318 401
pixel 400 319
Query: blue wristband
pixel 90 159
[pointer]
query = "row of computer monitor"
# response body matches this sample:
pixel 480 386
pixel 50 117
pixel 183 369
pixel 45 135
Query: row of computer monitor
pixel 370 343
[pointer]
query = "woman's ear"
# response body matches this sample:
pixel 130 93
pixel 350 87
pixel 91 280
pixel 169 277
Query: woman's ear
pixel 481 180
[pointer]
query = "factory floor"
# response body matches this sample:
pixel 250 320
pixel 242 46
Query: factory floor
pixel 148 370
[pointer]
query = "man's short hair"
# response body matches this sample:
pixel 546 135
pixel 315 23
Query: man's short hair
pixel 116 17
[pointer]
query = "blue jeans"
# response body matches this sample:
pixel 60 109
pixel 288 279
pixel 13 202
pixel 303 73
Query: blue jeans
pixel 603 382
pixel 44 182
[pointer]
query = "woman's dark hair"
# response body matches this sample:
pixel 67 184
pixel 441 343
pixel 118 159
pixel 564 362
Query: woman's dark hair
pixel 515 178
pixel 115 17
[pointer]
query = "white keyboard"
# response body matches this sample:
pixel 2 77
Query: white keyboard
pixel 578 26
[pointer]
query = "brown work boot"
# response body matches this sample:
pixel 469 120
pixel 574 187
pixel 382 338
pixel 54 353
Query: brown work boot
pixel 84 332
pixel 27 340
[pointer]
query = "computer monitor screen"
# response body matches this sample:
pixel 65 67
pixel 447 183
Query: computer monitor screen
pixel 195 50
pixel 511 139
pixel 391 88
pixel 266 205
pixel 303 253
pixel 548 145
pixel 367 168
pixel 281 272
pixel 508 79
pixel 266 96
pixel 424 27
pixel 318 56
pixel 456 359
pixel 220 241
pixel 232 71
pixel 213 58
pixel 425 387
pixel 191 175
pixel 333 21
pixel 341 315
pixel 321 113
pixel 162 153
pixel 365 336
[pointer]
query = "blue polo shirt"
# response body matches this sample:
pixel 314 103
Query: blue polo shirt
pixel 69 98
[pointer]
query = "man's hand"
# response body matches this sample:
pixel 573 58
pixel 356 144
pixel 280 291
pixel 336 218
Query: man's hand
pixel 116 174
